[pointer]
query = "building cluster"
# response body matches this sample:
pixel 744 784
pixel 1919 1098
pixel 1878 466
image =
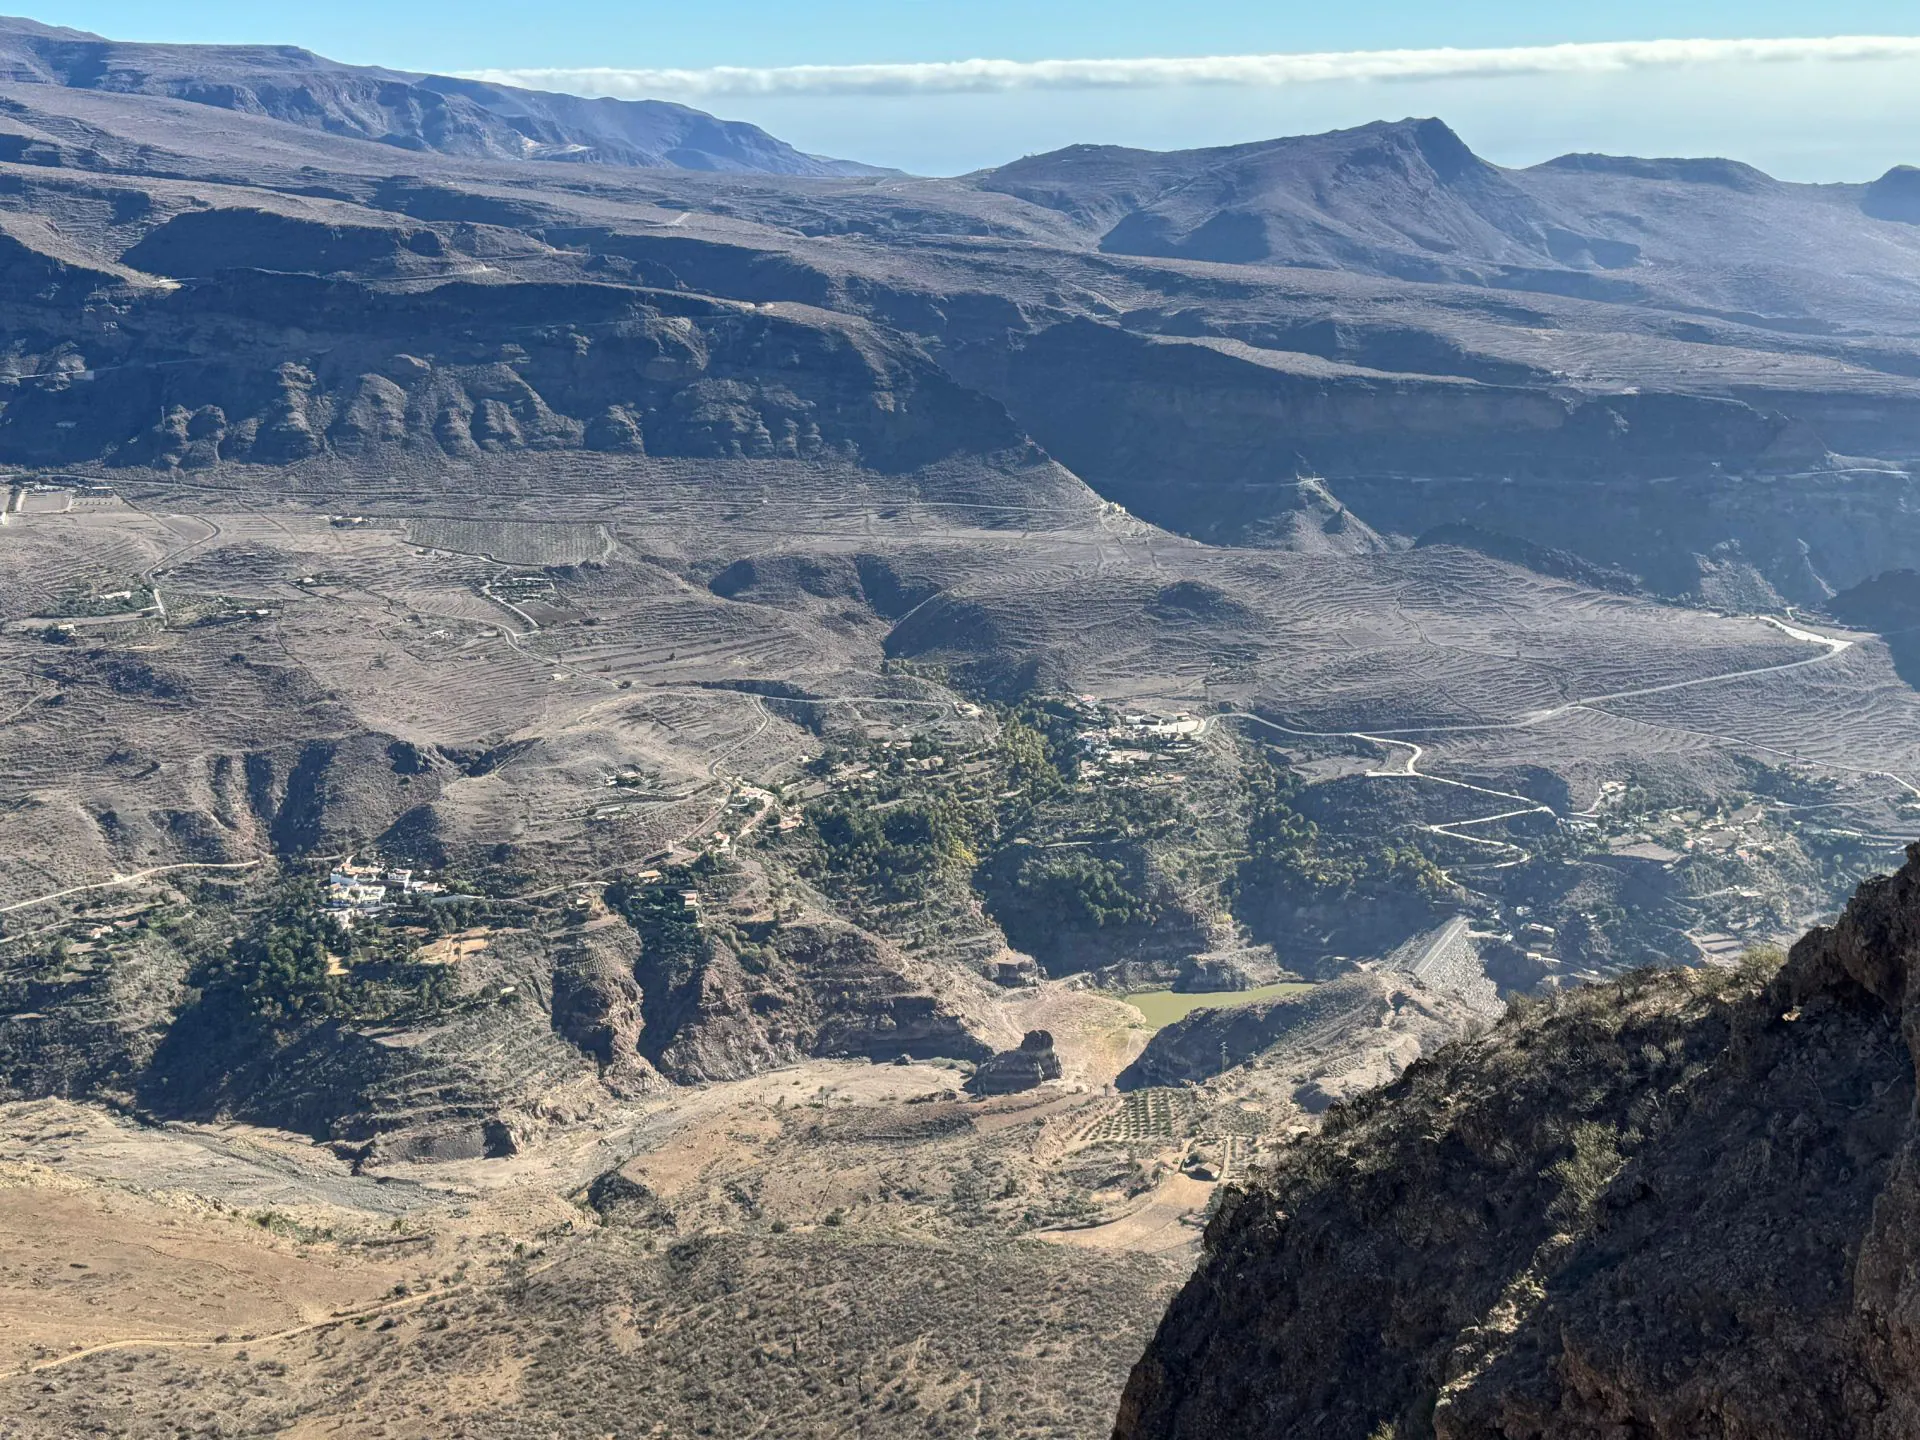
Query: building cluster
pixel 355 889
pixel 1136 739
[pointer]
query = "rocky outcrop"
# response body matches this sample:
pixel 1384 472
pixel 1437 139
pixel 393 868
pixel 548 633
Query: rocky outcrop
pixel 1682 1205
pixel 817 988
pixel 597 1003
pixel 1888 603
pixel 620 1199
pixel 1012 1071
pixel 292 366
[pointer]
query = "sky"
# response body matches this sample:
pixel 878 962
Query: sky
pixel 889 83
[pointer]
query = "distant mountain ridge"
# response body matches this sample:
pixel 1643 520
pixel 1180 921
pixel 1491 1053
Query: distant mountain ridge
pixel 1408 200
pixel 438 113
pixel 1343 198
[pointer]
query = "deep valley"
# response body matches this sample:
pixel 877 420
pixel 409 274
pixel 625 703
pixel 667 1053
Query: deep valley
pixel 653 785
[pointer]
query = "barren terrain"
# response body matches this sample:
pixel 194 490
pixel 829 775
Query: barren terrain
pixel 579 689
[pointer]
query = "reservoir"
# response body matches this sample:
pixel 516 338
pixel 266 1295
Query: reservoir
pixel 1163 1007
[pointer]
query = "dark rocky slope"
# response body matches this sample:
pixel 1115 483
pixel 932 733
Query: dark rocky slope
pixel 1683 1205
pixel 1198 434
pixel 1889 605
pixel 1211 1039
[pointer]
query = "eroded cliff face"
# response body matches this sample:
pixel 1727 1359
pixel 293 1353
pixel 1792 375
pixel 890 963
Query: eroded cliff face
pixel 1245 444
pixel 1683 1205
pixel 816 989
pixel 253 368
pixel 1095 395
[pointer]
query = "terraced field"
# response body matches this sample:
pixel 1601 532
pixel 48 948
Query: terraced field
pixel 514 543
pixel 410 631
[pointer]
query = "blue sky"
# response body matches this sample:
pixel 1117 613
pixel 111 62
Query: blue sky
pixel 1800 117
pixel 480 34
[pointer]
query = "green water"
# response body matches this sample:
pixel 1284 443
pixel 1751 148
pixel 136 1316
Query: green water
pixel 1163 1007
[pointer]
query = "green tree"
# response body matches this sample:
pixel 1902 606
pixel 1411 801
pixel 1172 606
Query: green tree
pixel 1080 891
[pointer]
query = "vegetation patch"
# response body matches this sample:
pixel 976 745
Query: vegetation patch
pixel 295 964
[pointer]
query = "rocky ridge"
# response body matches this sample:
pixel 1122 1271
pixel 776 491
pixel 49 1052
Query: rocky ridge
pixel 1680 1205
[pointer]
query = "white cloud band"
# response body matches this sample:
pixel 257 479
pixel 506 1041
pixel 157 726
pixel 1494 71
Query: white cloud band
pixel 962 76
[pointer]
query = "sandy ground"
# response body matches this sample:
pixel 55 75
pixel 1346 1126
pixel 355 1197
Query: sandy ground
pixel 81 1265
pixel 116 1234
pixel 1165 1224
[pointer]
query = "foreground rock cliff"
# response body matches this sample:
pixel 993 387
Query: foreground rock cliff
pixel 1684 1205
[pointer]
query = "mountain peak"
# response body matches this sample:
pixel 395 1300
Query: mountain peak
pixel 21 25
pixel 1439 145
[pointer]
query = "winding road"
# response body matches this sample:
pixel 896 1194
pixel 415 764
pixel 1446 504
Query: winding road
pixel 1406 768
pixel 1527 805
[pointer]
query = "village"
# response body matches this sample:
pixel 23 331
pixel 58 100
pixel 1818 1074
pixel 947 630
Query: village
pixel 357 889
pixel 1134 738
